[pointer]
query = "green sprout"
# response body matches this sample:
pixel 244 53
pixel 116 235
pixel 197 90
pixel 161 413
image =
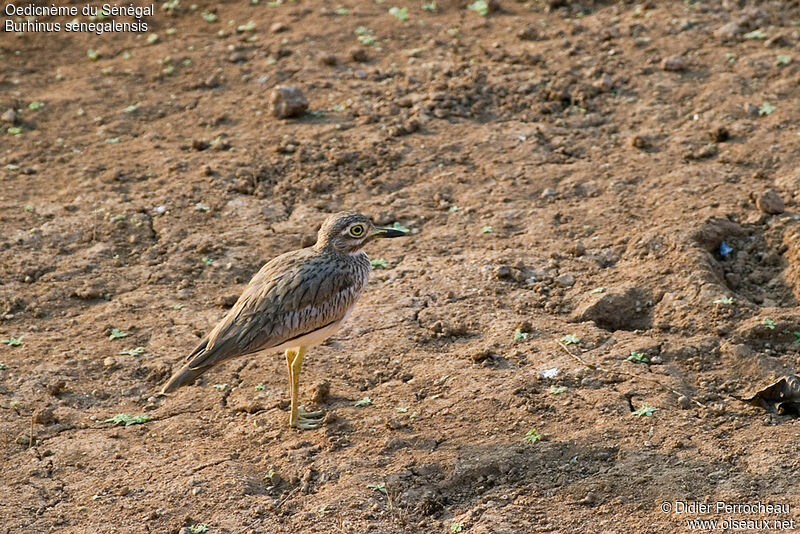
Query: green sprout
pixel 14 130
pixel 570 339
pixel 796 337
pixel 724 300
pixel 176 307
pixel 402 409
pixel 533 436
pixel 93 54
pixel 487 230
pixel 270 474
pixel 35 106
pixel 365 37
pixel 341 11
pixel 400 12
pixel 127 419
pixel 781 61
pixel 755 35
pixel 456 528
pixel 13 341
pixel 645 410
pixel 597 290
pixel 260 387
pixel 519 335
pixel 199 528
pixel 638 357
pixel 201 207
pixel 379 264
pixel 378 487
pixel 249 27
pixel 429 6
pixel 209 17
pixel 207 260
pixel 557 390
pixel 131 109
pixel 481 7
pixel 366 401
pixel 220 387
pixel 769 323
pixel 453 209
pixel 133 352
pixel 3 367
pixel 766 109
pixel 116 333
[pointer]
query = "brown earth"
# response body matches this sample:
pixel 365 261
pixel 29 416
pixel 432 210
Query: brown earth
pixel 610 146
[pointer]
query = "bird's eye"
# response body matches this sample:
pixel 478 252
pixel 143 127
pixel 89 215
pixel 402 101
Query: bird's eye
pixel 357 230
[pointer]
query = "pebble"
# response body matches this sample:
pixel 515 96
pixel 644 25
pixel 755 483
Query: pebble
pixel 288 101
pixel 278 27
pixel 673 63
pixel 565 280
pixel 548 193
pixel 10 116
pixel 684 402
pixel 751 109
pixel 503 272
pixel 359 55
pixel 728 32
pixel 770 202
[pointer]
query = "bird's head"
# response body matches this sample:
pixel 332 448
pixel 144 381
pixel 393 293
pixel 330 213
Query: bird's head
pixel 347 232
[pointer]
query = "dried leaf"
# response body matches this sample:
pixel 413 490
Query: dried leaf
pixel 782 397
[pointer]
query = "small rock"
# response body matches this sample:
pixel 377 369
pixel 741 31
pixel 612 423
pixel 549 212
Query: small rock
pixel 729 32
pixel 55 388
pixel 288 101
pixel 720 134
pixel 548 193
pixel 673 63
pixel 605 83
pixel 109 362
pixel 615 310
pixel 320 392
pixel 480 355
pixel 779 40
pixel 770 202
pixel 751 109
pixel 226 301
pixel 565 280
pixel 528 33
pixel 44 416
pixel 278 27
pixel 503 272
pixel 10 116
pixel 331 60
pixel 684 402
pixel 359 55
pixel 639 141
pixel 215 80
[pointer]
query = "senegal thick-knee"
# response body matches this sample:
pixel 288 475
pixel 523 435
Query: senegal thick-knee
pixel 294 302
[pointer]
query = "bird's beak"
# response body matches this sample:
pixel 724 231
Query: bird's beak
pixel 389 232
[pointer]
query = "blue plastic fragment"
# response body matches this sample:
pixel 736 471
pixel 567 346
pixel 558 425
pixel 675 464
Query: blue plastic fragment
pixel 725 250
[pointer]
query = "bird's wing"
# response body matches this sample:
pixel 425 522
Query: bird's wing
pixel 292 295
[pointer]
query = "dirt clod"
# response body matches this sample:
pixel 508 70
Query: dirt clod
pixel 770 202
pixel 288 101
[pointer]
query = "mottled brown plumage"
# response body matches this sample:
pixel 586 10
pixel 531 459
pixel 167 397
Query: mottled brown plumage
pixel 294 302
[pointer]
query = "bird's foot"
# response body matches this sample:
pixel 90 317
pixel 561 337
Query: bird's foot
pixel 308 420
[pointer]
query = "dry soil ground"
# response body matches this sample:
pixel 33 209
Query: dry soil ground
pixel 567 169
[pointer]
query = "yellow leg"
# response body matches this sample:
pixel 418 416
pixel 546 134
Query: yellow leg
pixel 298 417
pixel 290 355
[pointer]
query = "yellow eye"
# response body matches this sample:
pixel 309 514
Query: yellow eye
pixel 357 230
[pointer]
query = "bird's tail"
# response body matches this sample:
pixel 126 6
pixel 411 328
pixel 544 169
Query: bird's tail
pixel 185 375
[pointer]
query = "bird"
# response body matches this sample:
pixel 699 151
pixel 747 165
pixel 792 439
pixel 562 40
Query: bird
pixel 294 302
